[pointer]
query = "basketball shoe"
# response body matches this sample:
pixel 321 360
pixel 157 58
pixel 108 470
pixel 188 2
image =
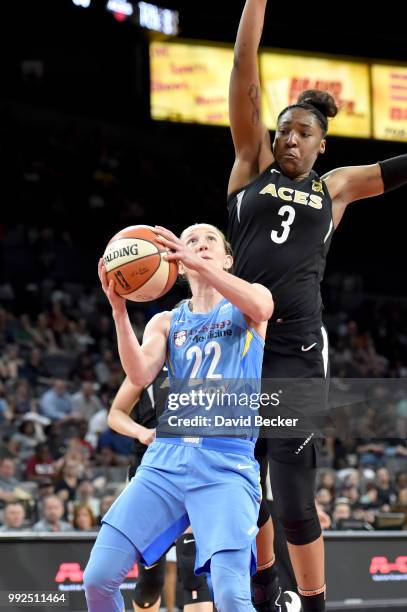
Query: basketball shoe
pixel 264 599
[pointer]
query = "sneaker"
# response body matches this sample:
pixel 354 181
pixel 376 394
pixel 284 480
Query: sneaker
pixel 287 601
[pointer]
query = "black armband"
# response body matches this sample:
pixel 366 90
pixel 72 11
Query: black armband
pixel 394 172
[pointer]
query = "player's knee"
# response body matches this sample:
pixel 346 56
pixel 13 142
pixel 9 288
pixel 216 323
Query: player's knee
pixel 227 596
pixel 303 531
pixel 97 581
pixel 195 588
pixel 149 585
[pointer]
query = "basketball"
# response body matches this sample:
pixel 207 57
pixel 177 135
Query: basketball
pixel 134 260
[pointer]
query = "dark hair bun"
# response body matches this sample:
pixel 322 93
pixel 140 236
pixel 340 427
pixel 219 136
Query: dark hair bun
pixel 321 100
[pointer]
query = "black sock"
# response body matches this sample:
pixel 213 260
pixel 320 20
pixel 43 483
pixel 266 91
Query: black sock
pixel 265 586
pixel 313 603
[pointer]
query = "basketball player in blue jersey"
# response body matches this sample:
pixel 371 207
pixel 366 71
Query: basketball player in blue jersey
pixel 281 219
pixel 208 483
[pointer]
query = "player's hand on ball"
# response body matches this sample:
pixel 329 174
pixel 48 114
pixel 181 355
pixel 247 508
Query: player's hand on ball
pixel 178 251
pixel 116 301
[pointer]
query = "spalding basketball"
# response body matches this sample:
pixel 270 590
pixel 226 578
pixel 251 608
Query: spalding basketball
pixel 134 260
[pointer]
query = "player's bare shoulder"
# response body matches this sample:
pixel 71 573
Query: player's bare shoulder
pixel 159 323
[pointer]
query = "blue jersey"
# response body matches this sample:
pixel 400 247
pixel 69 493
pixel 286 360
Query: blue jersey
pixel 214 345
pixel 220 355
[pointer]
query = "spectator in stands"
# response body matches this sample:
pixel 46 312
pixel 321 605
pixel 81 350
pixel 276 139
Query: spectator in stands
pixel 35 371
pixel 45 489
pixel 22 399
pixel 401 480
pixel 85 494
pixel 340 512
pixel 58 320
pixel 66 486
pixel 351 493
pixel 8 481
pixel 10 362
pixel 25 333
pixel 104 334
pixel 324 498
pixel 104 365
pixel 370 499
pixel 56 403
pixel 83 369
pixel 41 465
pixel 83 518
pixel 85 402
pixel 97 425
pixel 105 503
pixel 10 488
pixel 13 517
pixel 80 442
pixel 44 336
pixel 328 481
pixel 24 442
pixel 386 491
pixel 5 410
pixel 52 513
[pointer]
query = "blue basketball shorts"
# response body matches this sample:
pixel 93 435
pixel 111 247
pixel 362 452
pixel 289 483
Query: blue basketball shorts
pixel 210 484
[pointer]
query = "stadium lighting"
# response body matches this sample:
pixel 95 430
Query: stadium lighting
pixel 158 19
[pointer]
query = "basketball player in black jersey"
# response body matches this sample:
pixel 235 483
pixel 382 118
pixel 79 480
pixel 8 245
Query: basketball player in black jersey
pixel 281 219
pixel 135 413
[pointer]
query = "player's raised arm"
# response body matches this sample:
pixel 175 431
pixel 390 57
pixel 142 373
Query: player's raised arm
pixel 141 363
pixel 250 135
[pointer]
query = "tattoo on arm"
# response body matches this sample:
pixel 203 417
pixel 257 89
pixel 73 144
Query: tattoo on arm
pixel 255 100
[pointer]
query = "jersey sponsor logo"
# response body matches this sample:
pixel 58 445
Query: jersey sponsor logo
pixel 317 186
pixel 206 332
pixel 207 328
pixel 180 338
pixel 220 333
pixel 308 348
pixel 293 195
pixel 189 541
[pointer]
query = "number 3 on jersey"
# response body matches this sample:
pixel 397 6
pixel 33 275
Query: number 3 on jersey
pixel 196 352
pixel 278 237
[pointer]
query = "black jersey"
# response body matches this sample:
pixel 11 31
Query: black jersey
pixel 280 231
pixel 150 407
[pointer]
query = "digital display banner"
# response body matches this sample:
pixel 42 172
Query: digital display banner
pixel 365 570
pixel 285 76
pixel 389 85
pixel 189 82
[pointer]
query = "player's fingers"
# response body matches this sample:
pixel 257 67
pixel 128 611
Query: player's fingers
pixel 171 256
pixel 172 244
pixel 163 231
